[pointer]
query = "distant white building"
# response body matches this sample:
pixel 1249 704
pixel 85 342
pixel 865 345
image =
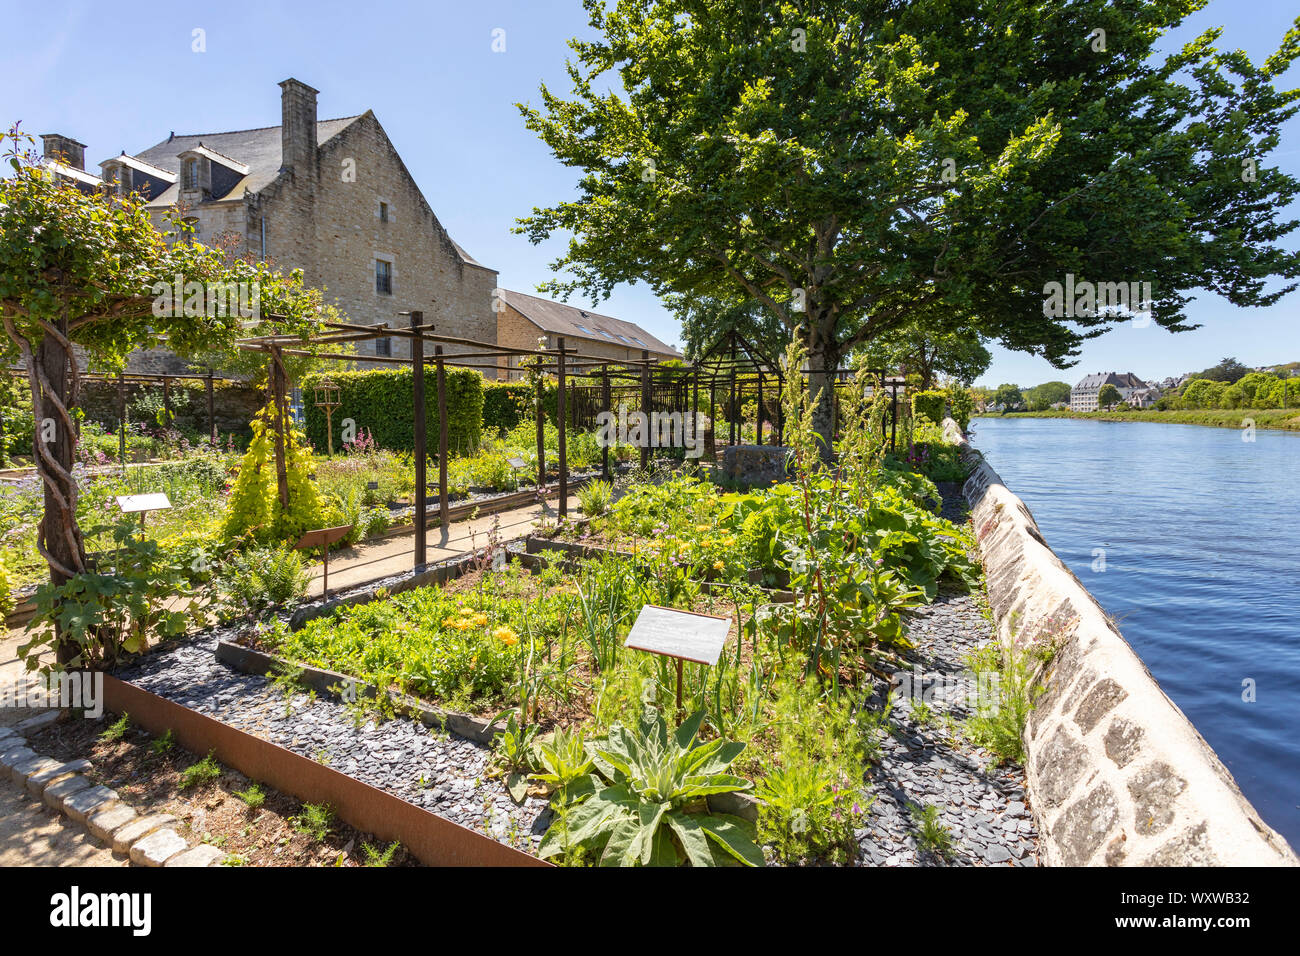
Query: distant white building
pixel 1083 397
pixel 1143 397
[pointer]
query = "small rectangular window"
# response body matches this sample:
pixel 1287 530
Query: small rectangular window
pixel 191 174
pixel 383 277
pixel 383 212
pixel 384 347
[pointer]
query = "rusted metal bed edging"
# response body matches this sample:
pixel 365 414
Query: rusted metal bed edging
pixel 432 839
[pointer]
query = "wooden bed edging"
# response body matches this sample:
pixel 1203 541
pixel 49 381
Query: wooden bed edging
pixel 432 839
pixel 325 682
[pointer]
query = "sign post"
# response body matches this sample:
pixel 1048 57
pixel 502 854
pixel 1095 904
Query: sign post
pixel 681 635
pixel 142 505
pixel 324 537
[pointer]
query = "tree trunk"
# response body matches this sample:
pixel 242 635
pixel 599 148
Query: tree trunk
pixel 58 531
pixel 823 360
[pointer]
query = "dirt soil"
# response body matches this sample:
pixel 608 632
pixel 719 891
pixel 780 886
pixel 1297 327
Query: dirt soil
pixel 147 776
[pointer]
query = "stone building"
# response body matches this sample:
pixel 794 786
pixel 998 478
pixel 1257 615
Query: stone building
pixel 524 319
pixel 1083 397
pixel 330 197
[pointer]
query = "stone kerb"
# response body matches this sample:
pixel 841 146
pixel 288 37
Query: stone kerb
pixel 1116 773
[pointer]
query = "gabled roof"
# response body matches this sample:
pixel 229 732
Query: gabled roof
pixel 1118 379
pixel 560 319
pixel 148 169
pixel 258 149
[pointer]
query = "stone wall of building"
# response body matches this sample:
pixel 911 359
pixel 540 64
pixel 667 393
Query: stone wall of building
pixel 1117 775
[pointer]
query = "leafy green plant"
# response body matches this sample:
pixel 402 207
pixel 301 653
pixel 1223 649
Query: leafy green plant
pixel 315 820
pixel 379 858
pixel 931 834
pixel 595 498
pixel 566 766
pixel 137 595
pixel 515 754
pixel 255 505
pixel 197 774
pixel 652 810
pixel 262 578
pixel 116 730
pixel 163 744
pixel 6 586
pixel 998 724
pixel 253 796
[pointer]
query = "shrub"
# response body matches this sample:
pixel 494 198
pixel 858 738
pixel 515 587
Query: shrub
pixel 6 586
pixel 930 404
pixel 255 501
pixel 595 498
pixel 381 402
pixel 962 404
pixel 264 577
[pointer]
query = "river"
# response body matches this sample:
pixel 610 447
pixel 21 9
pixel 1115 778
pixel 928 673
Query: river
pixel 1189 537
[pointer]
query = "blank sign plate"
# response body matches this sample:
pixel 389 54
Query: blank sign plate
pixel 684 634
pixel 130 504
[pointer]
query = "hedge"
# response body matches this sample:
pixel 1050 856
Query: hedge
pixel 380 401
pixel 930 404
pixel 506 404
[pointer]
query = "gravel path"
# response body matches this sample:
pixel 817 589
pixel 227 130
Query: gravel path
pixel 982 806
pixel 443 773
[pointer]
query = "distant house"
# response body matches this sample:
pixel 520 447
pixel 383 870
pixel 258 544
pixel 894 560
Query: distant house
pixel 1083 397
pixel 524 319
pixel 1143 397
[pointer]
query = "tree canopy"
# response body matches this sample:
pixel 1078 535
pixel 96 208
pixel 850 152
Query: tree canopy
pixel 852 166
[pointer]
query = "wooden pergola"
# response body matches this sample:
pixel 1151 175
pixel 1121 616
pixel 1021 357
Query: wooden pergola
pixel 561 361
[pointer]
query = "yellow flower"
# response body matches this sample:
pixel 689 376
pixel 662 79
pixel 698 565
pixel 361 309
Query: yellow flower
pixel 506 636
pixel 703 528
pixel 717 565
pixel 479 620
pixel 728 542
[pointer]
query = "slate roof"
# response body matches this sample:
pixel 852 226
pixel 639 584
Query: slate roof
pixel 1118 379
pixel 571 322
pixel 259 149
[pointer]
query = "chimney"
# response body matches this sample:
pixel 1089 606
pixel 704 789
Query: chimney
pixel 298 128
pixel 64 149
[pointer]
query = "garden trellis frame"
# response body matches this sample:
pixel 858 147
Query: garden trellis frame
pixel 562 361
pixel 123 379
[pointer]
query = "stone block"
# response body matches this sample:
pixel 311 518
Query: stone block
pixel 37 782
pixel 82 804
pixel 157 848
pixel 19 753
pixel 103 823
pixel 1085 824
pixel 56 793
pixel 125 836
pixel 205 854
pixel 33 725
pixel 34 764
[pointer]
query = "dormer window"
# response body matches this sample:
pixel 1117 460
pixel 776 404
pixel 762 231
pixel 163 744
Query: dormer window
pixel 190 179
pixel 122 181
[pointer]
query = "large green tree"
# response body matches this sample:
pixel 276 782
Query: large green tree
pixel 90 271
pixel 926 348
pixel 1040 398
pixel 853 165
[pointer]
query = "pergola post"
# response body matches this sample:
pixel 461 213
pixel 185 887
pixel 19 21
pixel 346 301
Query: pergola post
pixel 121 419
pixel 421 442
pixel 539 395
pixel 645 408
pixel 212 417
pixel 443 518
pixel 279 388
pixel 560 410
pixel 605 403
pixel 695 406
pixel 758 428
pixel 167 400
pixel 733 413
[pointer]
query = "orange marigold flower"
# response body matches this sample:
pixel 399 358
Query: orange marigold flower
pixel 506 636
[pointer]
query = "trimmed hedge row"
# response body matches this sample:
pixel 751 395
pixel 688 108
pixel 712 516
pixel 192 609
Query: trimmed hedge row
pixel 931 404
pixel 380 401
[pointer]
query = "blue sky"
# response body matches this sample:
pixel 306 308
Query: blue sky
pixel 122 78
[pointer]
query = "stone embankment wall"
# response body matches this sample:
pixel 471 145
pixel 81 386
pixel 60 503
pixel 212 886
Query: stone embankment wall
pixel 1117 775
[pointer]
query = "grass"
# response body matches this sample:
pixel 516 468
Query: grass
pixel 164 743
pixel 117 730
pixel 253 797
pixel 377 857
pixel 205 771
pixel 1284 419
pixel 315 820
pixel 931 835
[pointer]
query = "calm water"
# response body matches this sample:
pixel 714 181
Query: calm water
pixel 1201 532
